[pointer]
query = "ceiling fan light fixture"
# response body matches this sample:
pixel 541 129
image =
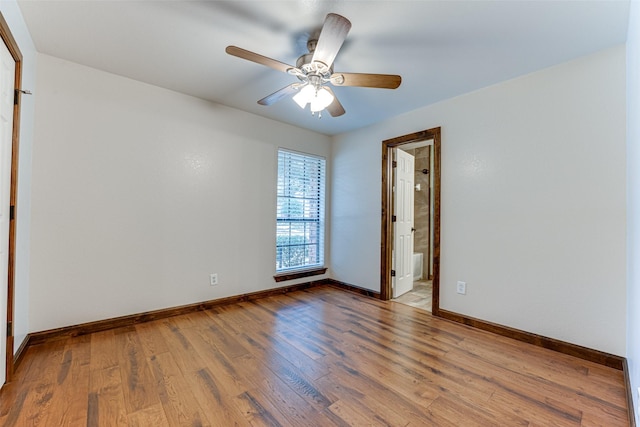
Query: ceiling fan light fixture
pixel 322 99
pixel 319 98
pixel 305 95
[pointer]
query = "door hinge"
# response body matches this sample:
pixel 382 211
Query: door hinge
pixel 393 273
pixel 394 164
pixel 9 329
pixel 12 212
pixel 393 218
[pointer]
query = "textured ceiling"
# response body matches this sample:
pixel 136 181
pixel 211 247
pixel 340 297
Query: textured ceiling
pixel 440 48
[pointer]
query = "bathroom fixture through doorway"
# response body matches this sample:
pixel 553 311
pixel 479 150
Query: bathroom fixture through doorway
pixel 388 146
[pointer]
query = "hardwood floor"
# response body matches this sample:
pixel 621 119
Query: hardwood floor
pixel 319 357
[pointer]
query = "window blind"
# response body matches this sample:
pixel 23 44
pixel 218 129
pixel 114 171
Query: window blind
pixel 300 211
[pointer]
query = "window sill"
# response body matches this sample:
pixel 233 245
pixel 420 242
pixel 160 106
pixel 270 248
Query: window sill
pixel 281 277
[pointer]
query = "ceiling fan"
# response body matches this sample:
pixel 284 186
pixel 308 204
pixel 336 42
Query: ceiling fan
pixel 315 69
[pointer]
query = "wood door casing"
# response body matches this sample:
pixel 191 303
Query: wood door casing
pixel 12 45
pixel 386 211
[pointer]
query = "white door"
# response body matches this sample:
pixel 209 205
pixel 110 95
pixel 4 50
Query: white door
pixel 403 225
pixel 7 86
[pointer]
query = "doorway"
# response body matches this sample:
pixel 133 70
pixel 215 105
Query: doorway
pixel 426 144
pixel 10 84
pixel 418 287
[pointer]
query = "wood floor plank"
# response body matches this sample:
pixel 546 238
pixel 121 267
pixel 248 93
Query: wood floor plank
pixel 450 412
pixel 218 407
pixel 469 383
pixel 285 331
pixel 336 390
pixel 42 384
pixel 562 370
pixel 259 411
pixel 181 347
pixel 152 340
pixel 216 334
pixel 138 383
pixel 317 357
pixel 235 313
pixel 106 398
pixel 10 416
pixel 227 375
pixel 349 414
pixel 299 406
pixel 264 337
pixel 299 328
pixel 150 416
pixel 178 401
pixel 69 403
pixel 428 375
pixel 104 350
pixel 193 320
pixel 288 374
pixel 355 382
pixel 546 393
pixel 14 394
pixel 311 368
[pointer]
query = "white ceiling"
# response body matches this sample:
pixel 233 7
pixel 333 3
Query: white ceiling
pixel 440 48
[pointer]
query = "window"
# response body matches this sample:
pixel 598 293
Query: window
pixel 300 211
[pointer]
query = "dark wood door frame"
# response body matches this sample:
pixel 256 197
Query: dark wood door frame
pixel 387 208
pixel 12 45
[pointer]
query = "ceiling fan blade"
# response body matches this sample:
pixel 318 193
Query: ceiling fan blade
pixel 335 108
pixel 334 31
pixel 279 94
pixel 257 58
pixel 382 81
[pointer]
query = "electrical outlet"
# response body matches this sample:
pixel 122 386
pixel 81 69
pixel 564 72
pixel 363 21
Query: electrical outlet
pixel 462 288
pixel 213 279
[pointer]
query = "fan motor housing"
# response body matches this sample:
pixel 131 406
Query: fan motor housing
pixel 304 59
pixel 309 68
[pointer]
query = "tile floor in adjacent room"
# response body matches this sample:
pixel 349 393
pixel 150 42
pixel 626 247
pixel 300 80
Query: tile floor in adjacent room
pixel 419 297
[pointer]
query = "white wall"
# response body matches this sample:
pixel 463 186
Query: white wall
pixel 533 201
pixel 633 202
pixel 139 193
pixel 13 16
